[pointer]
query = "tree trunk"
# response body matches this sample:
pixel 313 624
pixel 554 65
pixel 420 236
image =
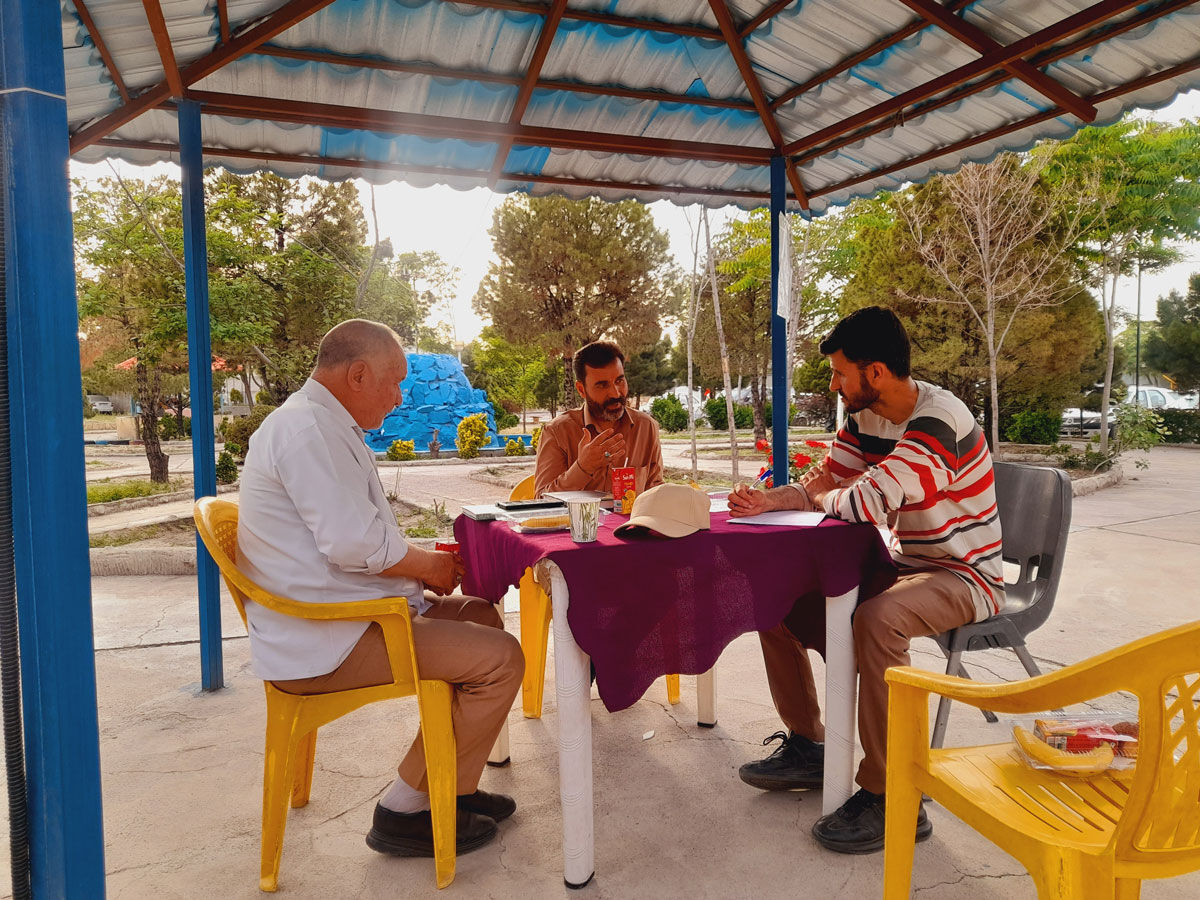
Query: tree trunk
pixel 148 392
pixel 756 404
pixel 712 275
pixel 248 397
pixel 568 395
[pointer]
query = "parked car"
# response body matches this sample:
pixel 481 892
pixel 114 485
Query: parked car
pixel 1191 401
pixel 1086 422
pixel 1156 398
pixel 99 403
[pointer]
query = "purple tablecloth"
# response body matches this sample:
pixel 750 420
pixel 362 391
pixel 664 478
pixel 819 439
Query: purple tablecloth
pixel 645 607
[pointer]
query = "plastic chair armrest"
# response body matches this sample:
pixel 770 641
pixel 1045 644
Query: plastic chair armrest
pixel 357 609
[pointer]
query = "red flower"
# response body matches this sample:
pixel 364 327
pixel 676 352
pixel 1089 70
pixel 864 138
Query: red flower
pixel 817 445
pixel 762 471
pixel 800 460
pixel 770 482
pixel 761 444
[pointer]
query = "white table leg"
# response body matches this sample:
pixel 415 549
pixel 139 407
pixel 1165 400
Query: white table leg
pixel 841 692
pixel 706 698
pixel 500 755
pixel 572 687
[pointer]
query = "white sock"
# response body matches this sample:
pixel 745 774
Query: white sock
pixel 403 798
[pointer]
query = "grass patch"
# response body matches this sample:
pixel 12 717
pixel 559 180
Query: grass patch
pixel 106 492
pixel 141 533
pixel 421 531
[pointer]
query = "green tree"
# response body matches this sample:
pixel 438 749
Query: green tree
pixel 575 271
pixel 1150 194
pixel 1174 347
pixel 650 371
pixel 511 374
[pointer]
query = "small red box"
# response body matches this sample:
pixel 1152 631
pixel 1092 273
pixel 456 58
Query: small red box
pixel 452 547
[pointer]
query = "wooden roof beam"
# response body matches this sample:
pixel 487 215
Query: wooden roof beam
pixel 733 41
pixel 525 91
pixel 388 122
pixel 768 13
pixel 1182 69
pixel 540 9
pixel 861 56
pixel 223 19
pixel 979 40
pixel 990 61
pixel 282 19
pixel 85 16
pixel 162 40
pixel 163 148
pixel 1043 58
pixel 479 75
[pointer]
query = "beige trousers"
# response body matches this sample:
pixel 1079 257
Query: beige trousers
pixel 922 602
pixel 460 640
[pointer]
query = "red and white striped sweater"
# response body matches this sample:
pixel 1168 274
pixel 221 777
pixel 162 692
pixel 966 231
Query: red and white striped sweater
pixel 935 472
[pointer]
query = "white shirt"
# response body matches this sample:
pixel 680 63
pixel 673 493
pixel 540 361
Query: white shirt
pixel 314 525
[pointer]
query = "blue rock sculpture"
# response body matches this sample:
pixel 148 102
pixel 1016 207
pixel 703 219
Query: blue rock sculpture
pixel 436 395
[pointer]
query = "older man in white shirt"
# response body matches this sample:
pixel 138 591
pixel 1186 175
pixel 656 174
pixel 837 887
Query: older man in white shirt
pixel 316 525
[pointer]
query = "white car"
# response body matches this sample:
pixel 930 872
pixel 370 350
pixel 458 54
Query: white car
pixel 99 403
pixel 1157 398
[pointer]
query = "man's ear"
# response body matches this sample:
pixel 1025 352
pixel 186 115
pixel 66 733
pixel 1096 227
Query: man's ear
pixel 579 387
pixel 356 375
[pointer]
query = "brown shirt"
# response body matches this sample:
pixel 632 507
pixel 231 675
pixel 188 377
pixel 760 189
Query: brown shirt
pixel 558 451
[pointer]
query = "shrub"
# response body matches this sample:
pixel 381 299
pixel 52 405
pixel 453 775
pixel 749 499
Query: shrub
pixel 1034 426
pixel 227 472
pixel 537 433
pixel 1183 424
pixel 669 413
pixel 472 434
pixel 768 410
pixel 235 396
pixel 264 398
pixel 402 450
pixel 514 447
pixel 714 410
pixel 743 416
pixel 504 418
pixel 170 430
pixel 121 490
pixel 239 430
pixel 88 412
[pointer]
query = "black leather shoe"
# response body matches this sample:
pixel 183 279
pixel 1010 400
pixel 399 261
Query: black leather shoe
pixel 857 825
pixel 496 807
pixel 411 834
pixel 796 763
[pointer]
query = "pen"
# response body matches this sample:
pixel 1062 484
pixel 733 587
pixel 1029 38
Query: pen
pixel 761 481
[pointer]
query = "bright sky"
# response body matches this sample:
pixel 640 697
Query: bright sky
pixel 455 223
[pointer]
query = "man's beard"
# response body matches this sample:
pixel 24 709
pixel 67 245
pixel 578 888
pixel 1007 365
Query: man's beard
pixel 606 412
pixel 860 401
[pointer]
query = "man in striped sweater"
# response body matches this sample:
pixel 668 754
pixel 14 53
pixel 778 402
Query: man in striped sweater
pixel 910 456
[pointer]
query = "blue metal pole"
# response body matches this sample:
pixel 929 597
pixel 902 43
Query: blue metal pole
pixel 779 355
pixel 49 506
pixel 204 472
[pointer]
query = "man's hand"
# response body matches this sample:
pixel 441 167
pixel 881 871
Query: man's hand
pixel 747 501
pixel 446 571
pixel 606 448
pixel 821 485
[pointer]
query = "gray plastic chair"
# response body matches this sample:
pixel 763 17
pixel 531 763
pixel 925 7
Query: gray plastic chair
pixel 1035 515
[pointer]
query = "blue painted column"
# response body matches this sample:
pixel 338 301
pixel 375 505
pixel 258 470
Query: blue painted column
pixel 204 477
pixel 779 380
pixel 49 505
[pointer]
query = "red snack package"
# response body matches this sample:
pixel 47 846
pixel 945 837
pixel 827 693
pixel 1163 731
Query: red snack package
pixel 624 489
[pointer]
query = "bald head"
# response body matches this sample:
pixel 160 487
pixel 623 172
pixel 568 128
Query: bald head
pixel 356 339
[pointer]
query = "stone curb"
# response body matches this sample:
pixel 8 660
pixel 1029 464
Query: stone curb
pixel 100 509
pixel 453 460
pixel 1084 486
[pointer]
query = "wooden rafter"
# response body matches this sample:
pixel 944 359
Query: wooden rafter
pixel 223 19
pixel 990 61
pixel 861 56
pixel 768 13
pixel 93 31
pixel 162 40
pixel 283 18
pixel 439 171
pixel 541 49
pixel 388 122
pixel 1173 72
pixel 1042 59
pixel 479 75
pixel 733 41
pixel 979 40
pixel 580 15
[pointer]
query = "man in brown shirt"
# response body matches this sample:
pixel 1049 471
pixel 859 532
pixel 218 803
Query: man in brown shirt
pixel 580 448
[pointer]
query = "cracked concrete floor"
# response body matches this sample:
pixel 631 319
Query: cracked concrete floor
pixel 182 769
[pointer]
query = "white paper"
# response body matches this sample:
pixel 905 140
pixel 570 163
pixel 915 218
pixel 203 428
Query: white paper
pixel 782 517
pixel 715 505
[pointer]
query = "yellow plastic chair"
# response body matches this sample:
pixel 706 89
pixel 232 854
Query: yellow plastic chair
pixel 536 611
pixel 1080 838
pixel 293 720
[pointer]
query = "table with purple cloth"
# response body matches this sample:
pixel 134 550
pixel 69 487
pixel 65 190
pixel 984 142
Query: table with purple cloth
pixel 647 606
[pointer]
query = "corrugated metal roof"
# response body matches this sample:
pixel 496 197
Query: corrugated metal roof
pixel 640 98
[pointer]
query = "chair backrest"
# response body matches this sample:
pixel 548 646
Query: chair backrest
pixel 1034 503
pixel 523 490
pixel 1160 826
pixel 217 523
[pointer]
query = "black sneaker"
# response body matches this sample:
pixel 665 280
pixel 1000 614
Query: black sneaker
pixel 796 763
pixel 857 825
pixel 411 834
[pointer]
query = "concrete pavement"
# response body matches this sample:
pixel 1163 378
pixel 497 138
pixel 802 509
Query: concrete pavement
pixel 182 770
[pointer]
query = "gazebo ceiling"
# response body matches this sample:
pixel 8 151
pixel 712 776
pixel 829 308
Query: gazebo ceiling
pixel 683 99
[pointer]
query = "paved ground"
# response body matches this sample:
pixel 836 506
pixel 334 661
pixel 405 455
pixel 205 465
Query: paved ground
pixel 182 769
